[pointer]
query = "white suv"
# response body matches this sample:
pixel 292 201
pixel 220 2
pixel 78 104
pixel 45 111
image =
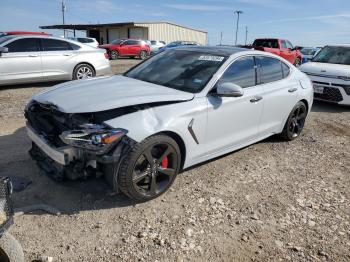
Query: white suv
pixel 329 71
pixel 86 40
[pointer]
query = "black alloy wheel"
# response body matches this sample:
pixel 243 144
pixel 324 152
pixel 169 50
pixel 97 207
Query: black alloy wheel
pixel 150 168
pixel 114 55
pixel 143 55
pixel 295 122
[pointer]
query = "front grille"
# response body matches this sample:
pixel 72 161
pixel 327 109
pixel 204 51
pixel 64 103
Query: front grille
pixel 329 94
pixel 6 209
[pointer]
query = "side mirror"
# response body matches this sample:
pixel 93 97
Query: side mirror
pixel 3 50
pixel 228 89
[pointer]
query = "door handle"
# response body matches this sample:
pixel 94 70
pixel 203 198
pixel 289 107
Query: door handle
pixel 293 89
pixel 33 55
pixel 256 99
pixel 67 54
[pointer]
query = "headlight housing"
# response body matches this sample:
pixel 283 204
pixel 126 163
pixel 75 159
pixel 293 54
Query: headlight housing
pixel 93 137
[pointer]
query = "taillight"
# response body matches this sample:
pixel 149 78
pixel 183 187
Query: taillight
pixel 106 55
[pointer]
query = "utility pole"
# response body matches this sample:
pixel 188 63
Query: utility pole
pixel 64 9
pixel 246 35
pixel 221 38
pixel 238 12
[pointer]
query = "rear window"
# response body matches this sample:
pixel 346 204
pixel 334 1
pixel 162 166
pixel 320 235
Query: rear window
pixel 55 45
pixel 269 43
pixel 270 69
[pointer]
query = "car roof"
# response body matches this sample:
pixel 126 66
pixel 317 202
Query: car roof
pixel 215 50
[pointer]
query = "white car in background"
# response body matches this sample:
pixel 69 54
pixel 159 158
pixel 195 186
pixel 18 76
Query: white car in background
pixel 29 58
pixel 155 45
pixel 86 40
pixel 329 71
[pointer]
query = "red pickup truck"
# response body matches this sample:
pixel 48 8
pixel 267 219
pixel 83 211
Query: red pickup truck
pixel 280 47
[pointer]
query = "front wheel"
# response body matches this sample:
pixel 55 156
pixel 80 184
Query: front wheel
pixel 150 168
pixel 10 249
pixel 295 122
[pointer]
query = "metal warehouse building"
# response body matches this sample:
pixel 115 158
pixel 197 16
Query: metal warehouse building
pixel 163 31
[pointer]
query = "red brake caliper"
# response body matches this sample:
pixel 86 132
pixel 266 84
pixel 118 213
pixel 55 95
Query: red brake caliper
pixel 165 162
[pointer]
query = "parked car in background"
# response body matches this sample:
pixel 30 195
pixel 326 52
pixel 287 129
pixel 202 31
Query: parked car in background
pixel 26 33
pixel 86 40
pixel 280 47
pixel 29 58
pixel 127 48
pixel 179 108
pixel 329 71
pixel 155 45
pixel 309 53
pixel 177 44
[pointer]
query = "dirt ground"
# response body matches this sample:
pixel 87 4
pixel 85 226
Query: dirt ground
pixel 272 201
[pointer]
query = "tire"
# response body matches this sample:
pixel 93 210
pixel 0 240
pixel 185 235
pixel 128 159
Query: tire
pixel 297 62
pixel 10 249
pixel 149 168
pixel 83 71
pixel 143 55
pixel 114 55
pixel 295 122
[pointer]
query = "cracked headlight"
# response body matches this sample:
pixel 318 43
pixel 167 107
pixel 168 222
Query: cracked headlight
pixel 93 137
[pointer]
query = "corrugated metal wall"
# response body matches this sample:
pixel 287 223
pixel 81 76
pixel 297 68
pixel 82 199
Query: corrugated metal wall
pixel 156 31
pixel 169 33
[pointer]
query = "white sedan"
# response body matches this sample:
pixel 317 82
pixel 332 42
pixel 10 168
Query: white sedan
pixel 179 108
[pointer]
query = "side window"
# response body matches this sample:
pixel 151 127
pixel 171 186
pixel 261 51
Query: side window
pixel 284 44
pixel 131 42
pixel 270 69
pixel 285 69
pixel 289 45
pixel 23 45
pixel 55 45
pixel 242 72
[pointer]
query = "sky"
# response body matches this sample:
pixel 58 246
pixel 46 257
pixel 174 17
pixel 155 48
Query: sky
pixel 303 22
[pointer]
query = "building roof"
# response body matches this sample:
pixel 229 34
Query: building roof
pixel 95 26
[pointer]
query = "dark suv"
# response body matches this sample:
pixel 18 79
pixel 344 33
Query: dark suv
pixel 127 48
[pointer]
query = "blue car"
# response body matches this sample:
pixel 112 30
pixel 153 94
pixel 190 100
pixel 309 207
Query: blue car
pixel 309 53
pixel 176 44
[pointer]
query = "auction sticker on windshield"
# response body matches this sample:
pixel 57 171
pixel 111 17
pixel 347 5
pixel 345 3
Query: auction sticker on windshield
pixel 211 58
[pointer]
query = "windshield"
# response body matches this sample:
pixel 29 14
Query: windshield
pixel 117 42
pixel 333 55
pixel 270 43
pixel 184 70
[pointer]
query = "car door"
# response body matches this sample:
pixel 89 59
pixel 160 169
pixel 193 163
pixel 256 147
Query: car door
pixel 233 121
pixel 280 93
pixel 57 59
pixel 22 62
pixel 286 53
pixel 127 47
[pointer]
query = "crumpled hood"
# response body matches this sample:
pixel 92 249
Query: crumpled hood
pixel 100 94
pixel 326 69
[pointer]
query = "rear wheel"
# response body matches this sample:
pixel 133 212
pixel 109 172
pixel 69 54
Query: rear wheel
pixel 83 71
pixel 150 168
pixel 114 55
pixel 143 55
pixel 295 122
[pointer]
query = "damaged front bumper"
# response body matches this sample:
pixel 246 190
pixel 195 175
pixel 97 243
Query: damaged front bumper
pixel 69 162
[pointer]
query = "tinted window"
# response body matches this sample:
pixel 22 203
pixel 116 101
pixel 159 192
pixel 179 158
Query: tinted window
pixel 131 42
pixel 23 45
pixel 241 72
pixel 270 69
pixel 85 40
pixel 284 44
pixel 55 45
pixel 153 42
pixel 184 70
pixel 270 43
pixel 285 69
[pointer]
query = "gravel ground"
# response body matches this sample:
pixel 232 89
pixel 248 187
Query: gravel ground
pixel 272 201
